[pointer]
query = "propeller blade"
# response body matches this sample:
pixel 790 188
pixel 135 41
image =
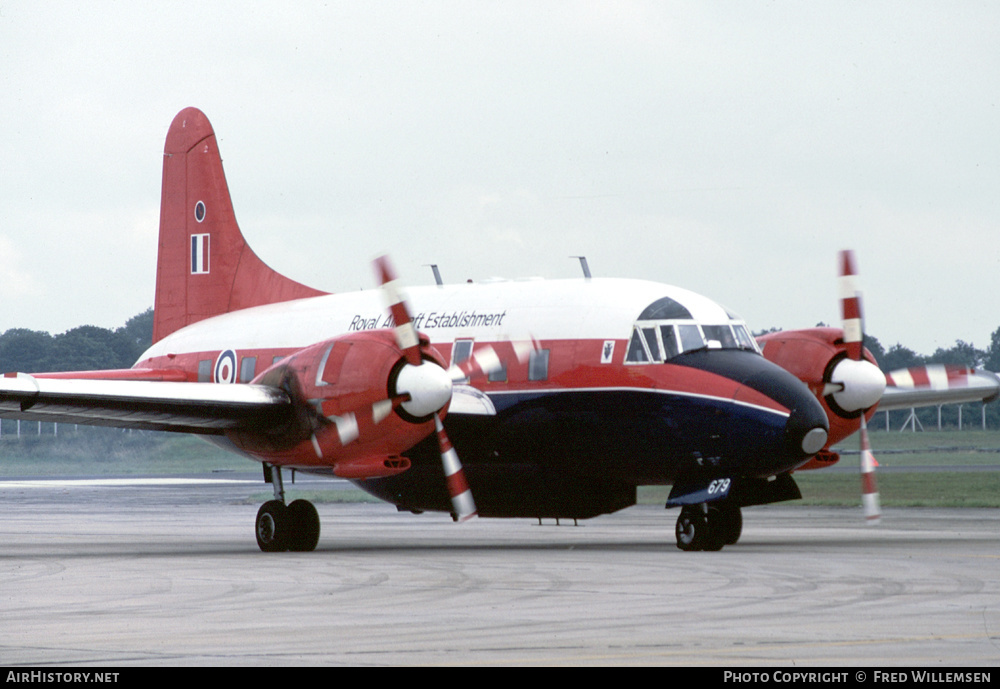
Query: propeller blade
pixel 850 306
pixel 458 489
pixel 483 362
pixel 524 348
pixel 406 334
pixel 870 381
pixel 869 488
pixel 350 424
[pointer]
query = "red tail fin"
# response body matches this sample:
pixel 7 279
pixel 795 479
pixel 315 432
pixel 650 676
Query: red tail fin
pixel 205 267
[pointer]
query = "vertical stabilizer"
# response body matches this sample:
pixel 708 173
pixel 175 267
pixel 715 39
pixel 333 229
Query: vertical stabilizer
pixel 204 267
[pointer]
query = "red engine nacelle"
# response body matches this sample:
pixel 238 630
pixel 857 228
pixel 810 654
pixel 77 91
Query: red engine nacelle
pixel 349 414
pixel 846 388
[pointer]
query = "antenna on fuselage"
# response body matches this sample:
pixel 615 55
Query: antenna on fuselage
pixel 583 265
pixel 437 273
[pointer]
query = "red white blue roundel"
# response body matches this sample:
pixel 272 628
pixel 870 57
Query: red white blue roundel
pixel 225 367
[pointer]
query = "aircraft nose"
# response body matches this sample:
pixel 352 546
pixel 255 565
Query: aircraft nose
pixel 774 447
pixel 807 428
pixel 806 431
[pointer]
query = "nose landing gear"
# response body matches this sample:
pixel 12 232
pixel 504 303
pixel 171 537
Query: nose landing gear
pixel 708 526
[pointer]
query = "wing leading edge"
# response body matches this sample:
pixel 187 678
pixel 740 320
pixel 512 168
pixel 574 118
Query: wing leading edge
pixel 200 408
pixel 931 385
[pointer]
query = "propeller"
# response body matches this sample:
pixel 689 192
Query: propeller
pixel 865 393
pixel 483 362
pixel 458 488
pixel 406 334
pixel 425 388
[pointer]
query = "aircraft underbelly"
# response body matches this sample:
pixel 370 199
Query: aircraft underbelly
pixel 577 454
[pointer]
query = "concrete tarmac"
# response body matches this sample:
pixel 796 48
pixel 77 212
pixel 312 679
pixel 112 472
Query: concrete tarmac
pixel 113 574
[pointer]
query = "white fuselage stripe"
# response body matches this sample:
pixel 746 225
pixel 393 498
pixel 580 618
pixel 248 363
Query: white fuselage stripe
pixel 659 391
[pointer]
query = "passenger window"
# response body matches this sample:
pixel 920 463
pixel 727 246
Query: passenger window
pixel 247 368
pixel 460 352
pixel 538 365
pixel 499 376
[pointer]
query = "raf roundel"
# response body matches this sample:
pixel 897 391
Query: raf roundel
pixel 225 367
pixel 199 211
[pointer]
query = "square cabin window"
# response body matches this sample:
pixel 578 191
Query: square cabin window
pixel 538 365
pixel 500 375
pixel 461 352
pixel 205 371
pixel 247 368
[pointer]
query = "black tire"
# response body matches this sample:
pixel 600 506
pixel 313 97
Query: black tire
pixel 715 524
pixel 272 526
pixel 691 529
pixel 303 526
pixel 729 524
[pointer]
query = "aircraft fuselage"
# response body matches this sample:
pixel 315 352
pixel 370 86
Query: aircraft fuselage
pixel 568 432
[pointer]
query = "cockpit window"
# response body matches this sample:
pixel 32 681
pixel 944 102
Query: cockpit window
pixel 636 351
pixel 690 337
pixel 671 347
pixel 652 344
pixel 746 342
pixel 655 342
pixel 665 309
pixel 721 334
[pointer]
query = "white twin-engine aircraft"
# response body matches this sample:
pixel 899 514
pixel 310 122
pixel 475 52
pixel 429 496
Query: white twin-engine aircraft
pixel 560 397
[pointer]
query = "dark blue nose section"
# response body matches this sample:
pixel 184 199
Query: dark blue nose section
pixel 807 427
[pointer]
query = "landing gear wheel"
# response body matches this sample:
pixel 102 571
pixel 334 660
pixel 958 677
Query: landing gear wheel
pixel 691 529
pixel 272 526
pixel 729 522
pixel 304 526
pixel 700 528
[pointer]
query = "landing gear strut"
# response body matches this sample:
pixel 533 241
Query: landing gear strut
pixel 708 526
pixel 283 527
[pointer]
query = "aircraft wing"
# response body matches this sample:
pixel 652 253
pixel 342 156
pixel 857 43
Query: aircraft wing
pixel 925 386
pixel 202 408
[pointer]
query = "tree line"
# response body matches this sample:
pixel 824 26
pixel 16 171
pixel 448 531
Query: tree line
pixel 84 348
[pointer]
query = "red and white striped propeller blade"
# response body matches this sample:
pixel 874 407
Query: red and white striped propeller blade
pixel 408 341
pixel 483 362
pixel 850 306
pixel 854 337
pixel 406 334
pixel 869 487
pixel 350 424
pixel 458 489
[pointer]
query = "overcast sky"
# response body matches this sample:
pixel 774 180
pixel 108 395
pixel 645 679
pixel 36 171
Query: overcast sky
pixel 731 148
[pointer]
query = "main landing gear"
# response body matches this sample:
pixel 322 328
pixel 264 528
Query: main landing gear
pixel 708 526
pixel 283 527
